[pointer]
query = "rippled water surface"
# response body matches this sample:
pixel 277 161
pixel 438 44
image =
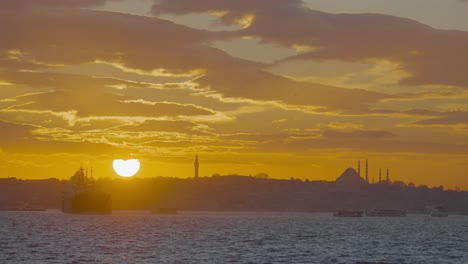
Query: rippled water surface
pixel 215 237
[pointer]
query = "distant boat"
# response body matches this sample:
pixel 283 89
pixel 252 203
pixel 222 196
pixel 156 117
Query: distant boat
pixel 439 211
pixel 164 210
pixel 348 213
pixel 83 197
pixel 386 213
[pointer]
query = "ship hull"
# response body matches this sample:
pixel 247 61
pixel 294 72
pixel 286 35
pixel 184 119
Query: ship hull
pixel 348 214
pixel 386 213
pixel 439 212
pixel 87 202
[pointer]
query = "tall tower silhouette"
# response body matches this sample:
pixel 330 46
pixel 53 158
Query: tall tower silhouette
pixel 359 167
pixel 388 178
pixel 367 172
pixel 196 164
pixel 380 174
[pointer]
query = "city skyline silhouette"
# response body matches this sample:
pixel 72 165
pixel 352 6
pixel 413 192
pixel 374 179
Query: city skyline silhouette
pixel 101 80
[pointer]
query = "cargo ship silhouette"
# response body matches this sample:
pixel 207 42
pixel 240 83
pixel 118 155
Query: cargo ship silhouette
pixel 83 196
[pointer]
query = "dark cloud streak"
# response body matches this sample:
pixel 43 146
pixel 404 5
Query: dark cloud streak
pixel 431 56
pixel 51 3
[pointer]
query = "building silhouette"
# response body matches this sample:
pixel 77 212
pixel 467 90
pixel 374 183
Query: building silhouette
pixel 196 165
pixel 384 179
pixel 367 172
pixel 350 177
pixel 359 168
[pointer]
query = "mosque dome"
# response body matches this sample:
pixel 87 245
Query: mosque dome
pixel 350 177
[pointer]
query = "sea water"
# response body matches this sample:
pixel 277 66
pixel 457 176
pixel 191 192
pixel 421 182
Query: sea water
pixel 230 237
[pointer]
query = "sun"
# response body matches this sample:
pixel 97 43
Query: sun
pixel 126 168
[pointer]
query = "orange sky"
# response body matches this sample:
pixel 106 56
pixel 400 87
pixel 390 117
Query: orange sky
pixel 275 86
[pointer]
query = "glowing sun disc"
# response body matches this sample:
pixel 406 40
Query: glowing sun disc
pixel 126 168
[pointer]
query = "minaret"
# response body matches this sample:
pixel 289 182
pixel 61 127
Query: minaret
pixel 92 179
pixel 196 166
pixel 380 174
pixel 82 175
pixel 367 173
pixel 359 168
pixel 388 178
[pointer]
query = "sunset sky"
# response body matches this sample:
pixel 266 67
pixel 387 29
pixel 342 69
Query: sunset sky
pixel 290 88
